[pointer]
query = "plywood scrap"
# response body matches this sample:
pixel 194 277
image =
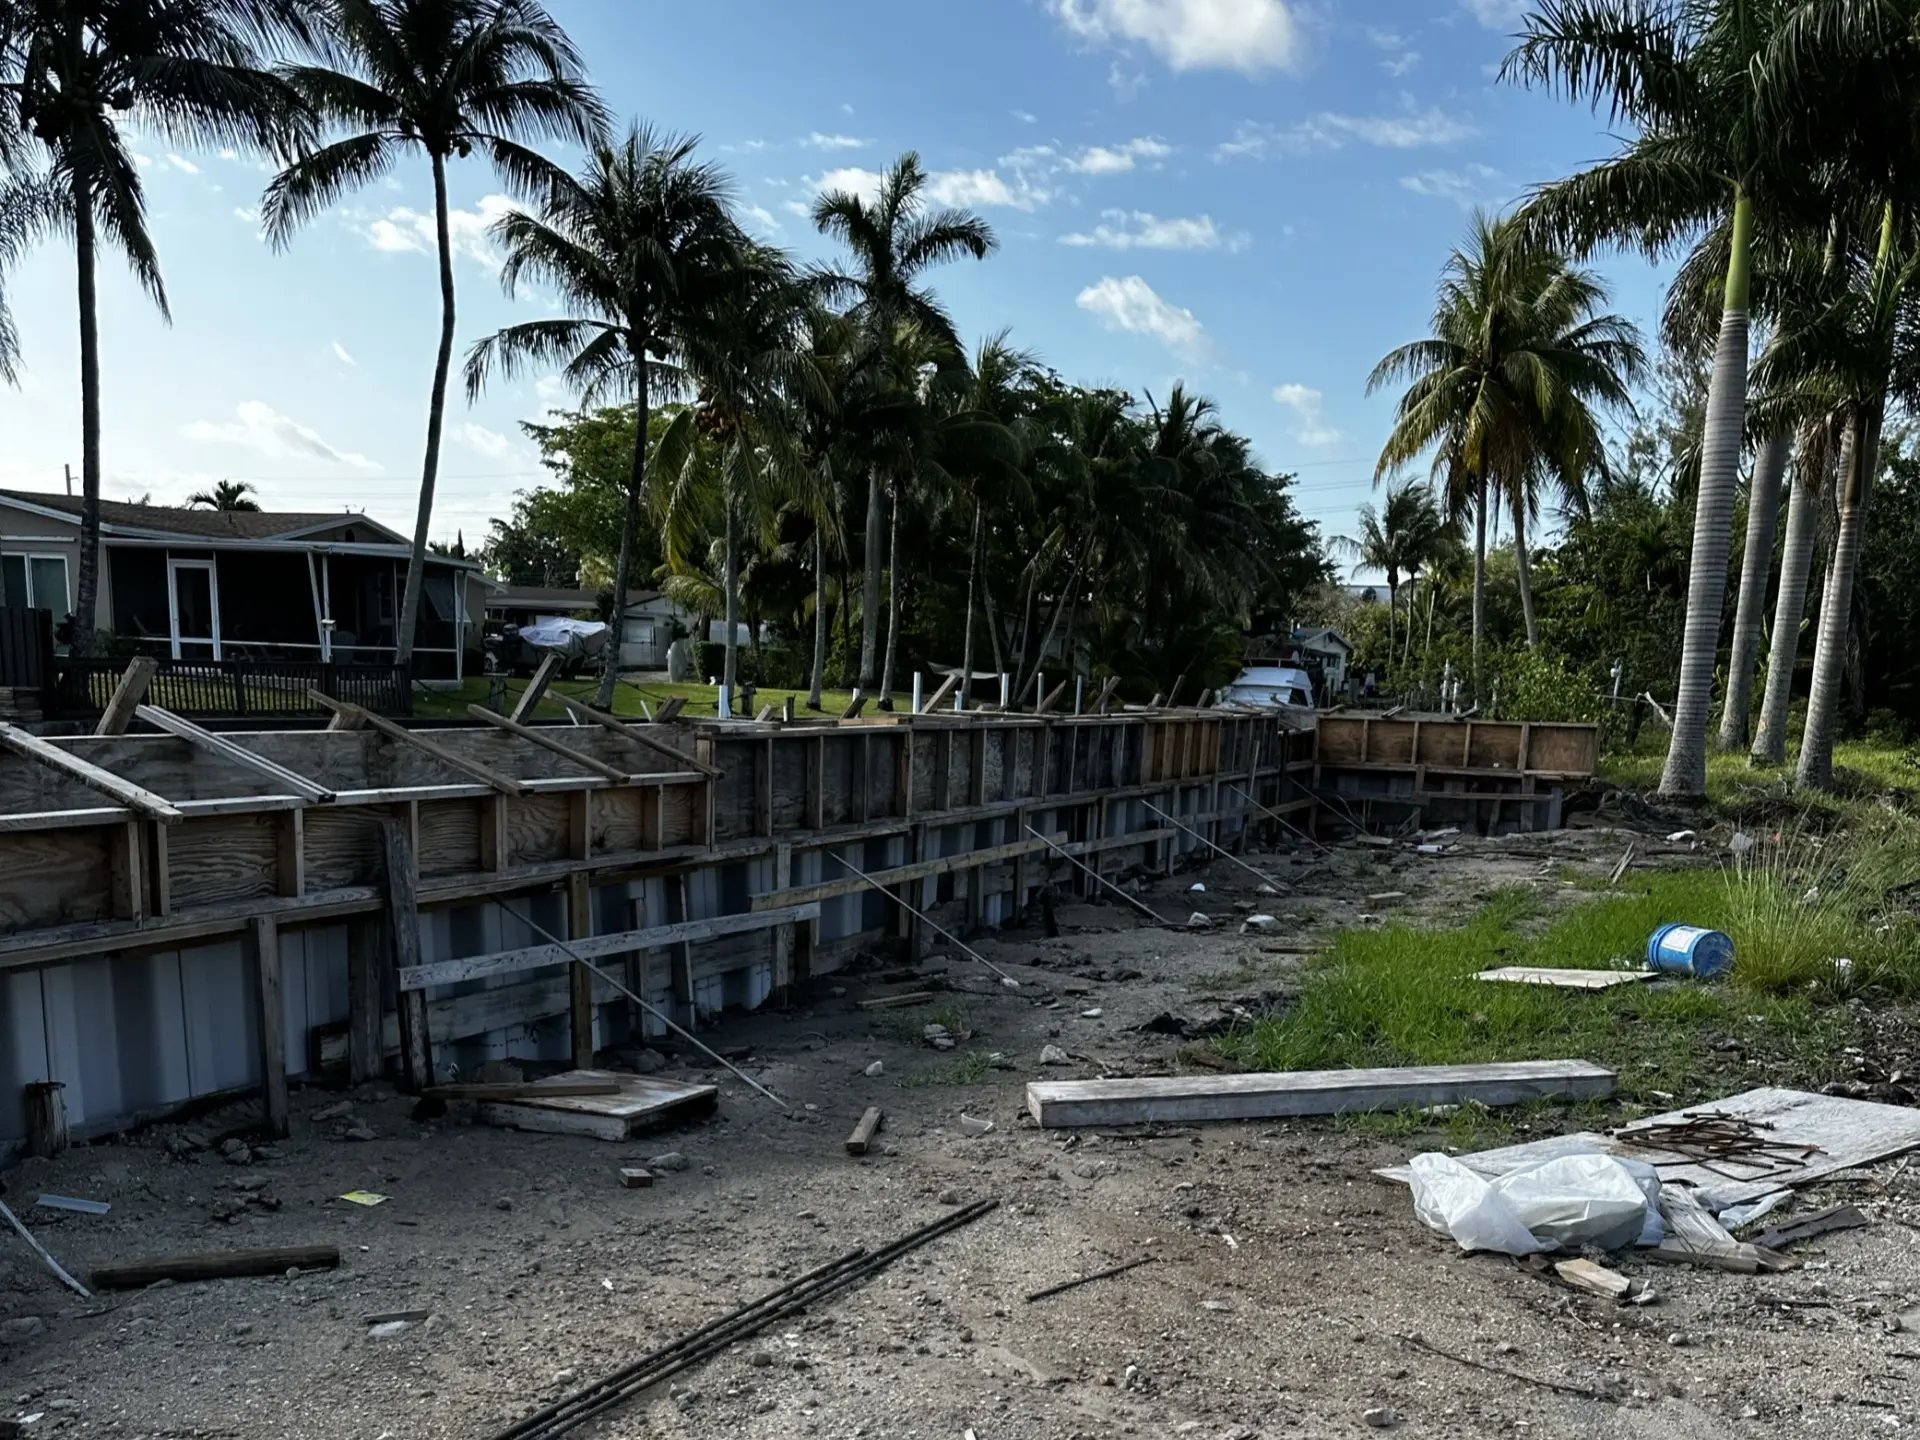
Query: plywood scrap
pixel 636 1177
pixel 1840 1217
pixel 220 1265
pixel 1262 1096
pixel 1599 1280
pixel 1564 979
pixel 528 1090
pixel 896 1002
pixel 862 1136
pixel 642 1102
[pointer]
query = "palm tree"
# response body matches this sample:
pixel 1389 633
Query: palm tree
pixel 1506 390
pixel 894 239
pixel 227 495
pixel 444 77
pixel 1726 104
pixel 1811 465
pixel 1400 538
pixel 644 249
pixel 78 82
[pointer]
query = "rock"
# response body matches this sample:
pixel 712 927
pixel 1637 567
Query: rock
pixel 503 1203
pixel 649 1062
pixel 21 1327
pixel 672 1160
pixel 1219 1307
pixel 1054 1055
pixel 232 1147
pixel 974 1125
pixel 338 1111
pixel 362 1131
pixel 564 1377
pixel 876 1070
pixel 949 1196
pixel 1091 1014
pixel 387 1329
pixel 242 1156
pixel 499 1072
pixel 1197 921
pixel 760 1359
pixel 1266 890
pixel 765 1407
pixel 1255 924
pixel 1197 888
pixel 1381 1418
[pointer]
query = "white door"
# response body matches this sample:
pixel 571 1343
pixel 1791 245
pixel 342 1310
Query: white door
pixel 193 593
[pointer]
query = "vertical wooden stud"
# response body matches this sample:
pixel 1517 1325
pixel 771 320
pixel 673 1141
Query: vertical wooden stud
pixel 366 997
pixel 783 937
pixel 579 977
pixel 403 940
pixel 579 823
pixel 263 945
pixel 290 843
pixel 496 848
pixel 130 871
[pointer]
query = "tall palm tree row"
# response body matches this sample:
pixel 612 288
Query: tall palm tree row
pixel 1509 390
pixel 1401 538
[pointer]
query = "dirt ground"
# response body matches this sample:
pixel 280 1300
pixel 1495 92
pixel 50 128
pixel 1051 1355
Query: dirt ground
pixel 1290 1291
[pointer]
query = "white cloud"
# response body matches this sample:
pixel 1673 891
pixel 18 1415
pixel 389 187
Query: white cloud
pixel 762 215
pixel 340 351
pixel 1496 14
pixel 259 426
pixel 180 162
pixel 1245 35
pixel 1025 117
pixel 944 187
pixel 1401 64
pixel 817 141
pixel 248 213
pixel 229 154
pixel 797 207
pixel 1330 131
pixel 1475 185
pixel 1139 230
pixel 1130 304
pixel 1111 159
pixel 854 179
pixel 1306 404
pixel 402 230
pixel 143 161
pixel 550 390
pixel 482 441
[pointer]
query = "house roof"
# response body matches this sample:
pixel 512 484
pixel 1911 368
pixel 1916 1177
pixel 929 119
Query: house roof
pixel 202 523
pixel 533 597
pixel 1323 636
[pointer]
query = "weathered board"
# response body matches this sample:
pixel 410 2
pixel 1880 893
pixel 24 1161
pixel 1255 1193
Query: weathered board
pixel 1849 1133
pixel 1262 1096
pixel 645 1102
pixel 1565 979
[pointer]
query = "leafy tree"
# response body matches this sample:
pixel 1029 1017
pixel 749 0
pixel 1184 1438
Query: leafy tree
pixel 1399 539
pixel 444 77
pixel 79 79
pixel 227 495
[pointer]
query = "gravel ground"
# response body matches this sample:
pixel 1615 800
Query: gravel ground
pixel 1289 1292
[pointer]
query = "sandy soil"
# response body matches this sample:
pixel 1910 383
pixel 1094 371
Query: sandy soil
pixel 1290 1293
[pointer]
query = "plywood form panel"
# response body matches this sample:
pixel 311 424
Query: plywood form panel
pixel 838 772
pixel 682 813
pixel 620 820
pixel 792 781
pixel 224 857
pixel 735 791
pixel 450 836
pixel 927 747
pixel 343 844
pixel 56 877
pixel 537 826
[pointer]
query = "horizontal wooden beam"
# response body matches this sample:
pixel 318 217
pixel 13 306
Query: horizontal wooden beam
pixel 635 734
pixel 532 957
pixel 547 742
pixel 508 784
pixel 92 776
pixel 184 729
pixel 900 874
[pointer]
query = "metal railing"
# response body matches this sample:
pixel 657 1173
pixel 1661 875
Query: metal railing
pixel 234 688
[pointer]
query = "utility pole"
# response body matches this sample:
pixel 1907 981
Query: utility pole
pixel 69 470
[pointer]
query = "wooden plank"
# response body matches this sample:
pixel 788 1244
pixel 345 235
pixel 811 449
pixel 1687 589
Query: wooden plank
pixel 530 697
pixel 862 1136
pixel 1565 979
pixel 946 688
pixel 900 874
pixel 579 977
pixel 1849 1133
pixel 220 1265
pixel 643 1102
pixel 417 977
pixel 547 742
pixel 896 1002
pixel 507 784
pixel 528 1090
pixel 263 951
pixel 1183 1099
pixel 127 694
pixel 134 797
pixel 184 729
pixel 366 957
pixel 403 940
pixel 852 712
pixel 671 710
pixel 638 736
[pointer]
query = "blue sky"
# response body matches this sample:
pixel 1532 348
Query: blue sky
pixel 1254 196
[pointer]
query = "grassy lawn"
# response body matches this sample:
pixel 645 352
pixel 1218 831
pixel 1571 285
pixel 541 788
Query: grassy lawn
pixel 1860 767
pixel 701 699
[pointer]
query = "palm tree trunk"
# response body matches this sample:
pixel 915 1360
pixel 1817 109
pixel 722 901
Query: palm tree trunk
pixel 629 528
pixel 1523 567
pixel 1815 770
pixel 993 620
pixel 436 413
pixel 1763 513
pixel 1393 604
pixel 1796 561
pixel 1479 575
pixel 819 617
pixel 973 580
pixel 1686 768
pixel 893 605
pixel 730 581
pixel 1039 656
pixel 870 592
pixel 86 602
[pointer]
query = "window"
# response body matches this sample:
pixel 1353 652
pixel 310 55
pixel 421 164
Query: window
pixel 37 582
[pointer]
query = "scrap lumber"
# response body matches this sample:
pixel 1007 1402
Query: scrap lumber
pixel 641 1102
pixel 127 694
pixel 1564 979
pixel 896 1002
pixel 862 1135
pixel 536 687
pixel 52 1264
pixel 133 796
pixel 218 1265
pixel 531 1090
pixel 1261 1096
pixel 1840 1217
pixel 852 712
pixel 636 1177
pixel 946 688
pixel 547 742
pixel 1596 1279
pixel 184 729
pixel 507 784
pixel 671 710
pixel 639 736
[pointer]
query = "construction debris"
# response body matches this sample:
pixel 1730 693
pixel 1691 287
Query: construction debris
pixel 220 1265
pixel 52 1264
pixel 862 1137
pixel 1564 979
pixel 1840 1217
pixel 1607 1284
pixel 1078 1281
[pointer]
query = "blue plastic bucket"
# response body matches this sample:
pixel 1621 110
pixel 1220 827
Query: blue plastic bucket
pixel 1690 950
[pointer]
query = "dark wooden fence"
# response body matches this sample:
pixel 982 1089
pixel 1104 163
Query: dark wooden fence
pixel 26 648
pixel 234 688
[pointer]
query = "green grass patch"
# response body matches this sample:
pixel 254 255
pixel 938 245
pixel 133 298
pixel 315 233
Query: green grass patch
pixel 967 1069
pixel 627 697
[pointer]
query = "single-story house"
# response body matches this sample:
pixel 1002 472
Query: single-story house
pixel 196 584
pixel 1327 650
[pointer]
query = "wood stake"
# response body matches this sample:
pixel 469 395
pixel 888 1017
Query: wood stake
pixel 639 736
pixel 134 797
pixel 126 695
pixel 862 1135
pixel 536 687
pixel 507 784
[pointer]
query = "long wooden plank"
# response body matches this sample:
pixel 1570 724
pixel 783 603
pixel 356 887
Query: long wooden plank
pixel 222 1265
pixel 403 943
pixel 127 694
pixel 537 687
pixel 638 736
pixel 531 957
pixel 919 870
pixel 506 783
pixel 1564 979
pixel 263 945
pixel 185 729
pixel 547 742
pixel 92 776
pixel 1183 1099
